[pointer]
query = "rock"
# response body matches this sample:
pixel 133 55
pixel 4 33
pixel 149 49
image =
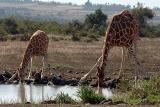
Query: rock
pixel 28 103
pixel 29 81
pixel 15 82
pixel 44 80
pixel 49 102
pixel 85 82
pixel 37 78
pixel 72 82
pixel 2 79
pixel 111 83
pixel 70 71
pixel 58 80
pixel 107 102
pixel 93 83
pixel 6 74
pixel 82 72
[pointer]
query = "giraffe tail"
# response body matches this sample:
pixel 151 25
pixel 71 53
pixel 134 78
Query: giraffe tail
pixel 90 71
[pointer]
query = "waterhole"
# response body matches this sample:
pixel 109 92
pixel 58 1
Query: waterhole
pixel 38 93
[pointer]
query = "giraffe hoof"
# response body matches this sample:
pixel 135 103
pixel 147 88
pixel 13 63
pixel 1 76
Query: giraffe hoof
pixel 28 78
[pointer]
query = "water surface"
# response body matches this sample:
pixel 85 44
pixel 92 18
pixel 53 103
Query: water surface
pixel 38 93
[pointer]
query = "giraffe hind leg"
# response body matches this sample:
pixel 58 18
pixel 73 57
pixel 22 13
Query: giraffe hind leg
pixel 122 64
pixel 137 67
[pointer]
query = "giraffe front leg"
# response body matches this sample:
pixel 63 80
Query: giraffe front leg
pixel 42 67
pixel 100 76
pixel 43 62
pixel 30 72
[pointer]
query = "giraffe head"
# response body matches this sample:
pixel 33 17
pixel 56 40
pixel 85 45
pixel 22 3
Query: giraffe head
pixel 19 73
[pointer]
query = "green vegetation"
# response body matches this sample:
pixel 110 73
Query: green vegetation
pixel 91 29
pixel 22 28
pixel 93 26
pixel 64 99
pixel 88 95
pixel 145 14
pixel 145 92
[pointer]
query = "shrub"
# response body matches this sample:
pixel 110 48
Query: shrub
pixel 88 95
pixel 25 37
pixel 75 38
pixel 3 34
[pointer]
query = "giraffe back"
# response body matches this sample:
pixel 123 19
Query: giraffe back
pixel 38 44
pixel 123 29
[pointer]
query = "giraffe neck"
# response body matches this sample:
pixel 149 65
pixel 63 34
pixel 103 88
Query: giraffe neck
pixel 25 60
pixel 105 52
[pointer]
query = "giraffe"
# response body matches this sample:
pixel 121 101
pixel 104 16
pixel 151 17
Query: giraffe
pixel 37 46
pixel 122 31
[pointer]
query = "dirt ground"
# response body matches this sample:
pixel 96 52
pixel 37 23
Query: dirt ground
pixel 74 59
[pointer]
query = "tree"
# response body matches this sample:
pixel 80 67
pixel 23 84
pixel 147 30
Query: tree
pixel 143 14
pixel 10 25
pixel 96 21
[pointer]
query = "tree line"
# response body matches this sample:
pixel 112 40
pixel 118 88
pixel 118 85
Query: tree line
pixel 93 27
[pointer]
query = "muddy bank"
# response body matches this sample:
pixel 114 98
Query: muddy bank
pixel 57 79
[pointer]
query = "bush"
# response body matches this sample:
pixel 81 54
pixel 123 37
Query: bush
pixel 75 38
pixel 25 37
pixel 3 34
pixel 143 14
pixel 88 95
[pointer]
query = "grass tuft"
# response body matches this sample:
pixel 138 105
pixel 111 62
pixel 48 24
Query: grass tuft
pixel 88 95
pixel 64 99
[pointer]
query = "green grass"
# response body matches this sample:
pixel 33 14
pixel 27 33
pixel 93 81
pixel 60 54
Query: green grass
pixel 145 92
pixel 88 95
pixel 64 99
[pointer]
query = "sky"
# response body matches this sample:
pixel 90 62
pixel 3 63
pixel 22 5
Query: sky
pixel 148 3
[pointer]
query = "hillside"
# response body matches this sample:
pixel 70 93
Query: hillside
pixel 59 12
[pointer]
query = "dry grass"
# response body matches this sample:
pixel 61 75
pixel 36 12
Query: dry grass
pixel 81 56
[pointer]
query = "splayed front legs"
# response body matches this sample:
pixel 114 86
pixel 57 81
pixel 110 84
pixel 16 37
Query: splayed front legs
pixel 44 61
pixel 100 76
pixel 30 72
